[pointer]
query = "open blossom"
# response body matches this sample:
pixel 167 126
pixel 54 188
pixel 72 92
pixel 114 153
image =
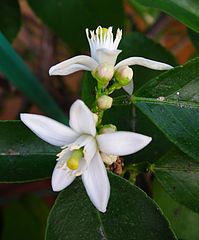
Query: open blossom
pixel 82 148
pixel 104 52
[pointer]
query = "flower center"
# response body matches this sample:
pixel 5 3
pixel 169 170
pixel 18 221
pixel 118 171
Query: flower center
pixel 74 159
pixel 102 31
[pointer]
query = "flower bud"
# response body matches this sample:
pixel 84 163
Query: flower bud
pixel 108 128
pixel 104 102
pixel 103 73
pixel 124 75
pixel 107 158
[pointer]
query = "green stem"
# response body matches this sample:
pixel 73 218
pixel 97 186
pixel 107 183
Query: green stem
pixel 137 168
pixel 112 88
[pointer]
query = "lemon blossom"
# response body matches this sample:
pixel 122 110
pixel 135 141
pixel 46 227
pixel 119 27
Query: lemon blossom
pixel 104 52
pixel 82 148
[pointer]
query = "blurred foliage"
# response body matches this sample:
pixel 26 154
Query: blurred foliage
pixel 59 15
pixel 10 18
pixel 25 219
pixel 14 68
pixel 185 11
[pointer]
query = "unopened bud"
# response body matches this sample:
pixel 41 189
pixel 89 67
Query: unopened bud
pixel 103 73
pixel 104 102
pixel 108 159
pixel 124 75
pixel 108 128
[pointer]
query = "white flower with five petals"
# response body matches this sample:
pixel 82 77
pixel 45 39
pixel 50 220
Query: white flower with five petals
pixel 104 52
pixel 81 149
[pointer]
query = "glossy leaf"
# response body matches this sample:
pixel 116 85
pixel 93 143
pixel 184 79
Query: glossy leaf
pixel 171 101
pixel 23 156
pixel 13 67
pixel 10 18
pixel 131 214
pixel 70 18
pixel 24 219
pixel 186 11
pixel 136 44
pixel 194 38
pixel 88 85
pixel 183 221
pixel 179 176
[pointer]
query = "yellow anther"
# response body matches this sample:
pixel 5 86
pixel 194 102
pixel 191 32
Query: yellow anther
pixel 73 161
pixel 104 31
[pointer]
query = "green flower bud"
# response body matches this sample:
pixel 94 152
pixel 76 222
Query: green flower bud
pixel 104 102
pixel 124 75
pixel 108 128
pixel 103 73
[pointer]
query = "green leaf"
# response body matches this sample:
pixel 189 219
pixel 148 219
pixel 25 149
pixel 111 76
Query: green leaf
pixel 13 67
pixel 179 176
pixel 171 101
pixel 186 11
pixel 23 156
pixel 131 214
pixel 88 84
pixel 183 221
pixel 194 38
pixel 137 44
pixel 10 18
pixel 25 219
pixel 70 18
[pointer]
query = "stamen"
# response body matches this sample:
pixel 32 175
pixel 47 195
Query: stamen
pixel 102 38
pixel 101 32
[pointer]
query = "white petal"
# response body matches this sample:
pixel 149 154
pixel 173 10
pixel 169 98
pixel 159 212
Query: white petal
pixel 90 149
pixel 74 64
pixel 79 142
pixel 61 178
pixel 48 129
pixel 143 62
pixel 106 56
pixel 81 118
pixel 96 182
pixel 122 143
pixel 129 88
pixel 70 69
pixel 83 165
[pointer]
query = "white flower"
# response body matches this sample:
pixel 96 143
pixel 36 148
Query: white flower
pixel 81 149
pixel 104 52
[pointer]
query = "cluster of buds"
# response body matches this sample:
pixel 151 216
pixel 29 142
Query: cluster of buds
pixel 104 74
